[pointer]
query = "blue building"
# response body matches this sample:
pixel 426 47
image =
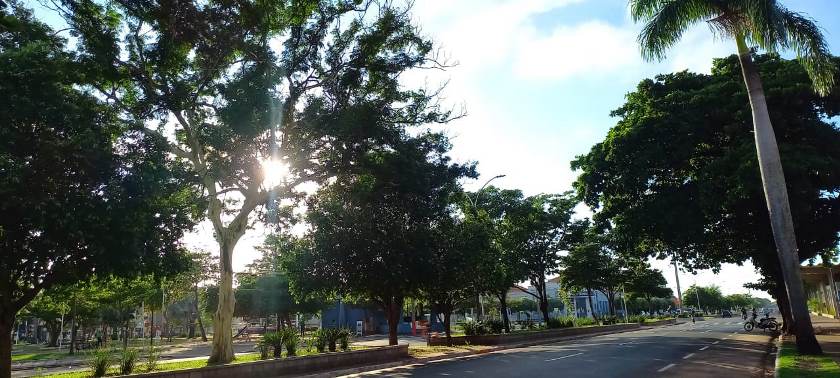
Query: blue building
pixel 371 318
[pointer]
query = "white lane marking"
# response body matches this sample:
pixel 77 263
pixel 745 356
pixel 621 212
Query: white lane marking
pixel 716 342
pixel 687 356
pixel 562 357
pixel 666 367
pixel 705 347
pixel 708 330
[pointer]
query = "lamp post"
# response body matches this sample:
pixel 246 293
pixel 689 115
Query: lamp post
pixel 473 202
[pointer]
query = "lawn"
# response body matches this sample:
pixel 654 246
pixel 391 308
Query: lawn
pixel 419 351
pixel 793 365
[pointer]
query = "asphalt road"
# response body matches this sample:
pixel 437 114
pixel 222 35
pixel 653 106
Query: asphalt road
pixel 711 348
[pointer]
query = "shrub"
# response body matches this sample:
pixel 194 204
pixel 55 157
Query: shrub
pixel 152 357
pixel 561 322
pixel 262 347
pixel 99 362
pixel 473 328
pixel 275 340
pixel 637 319
pixel 582 322
pixel 291 339
pixel 495 325
pixel 128 359
pixel 607 320
pixel 320 340
pixel 344 339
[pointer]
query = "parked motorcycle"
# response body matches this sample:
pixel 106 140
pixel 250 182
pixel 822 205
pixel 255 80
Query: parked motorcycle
pixel 765 323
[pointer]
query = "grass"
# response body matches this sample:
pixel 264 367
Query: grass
pixel 791 364
pixel 418 351
pixel 37 356
pixel 652 320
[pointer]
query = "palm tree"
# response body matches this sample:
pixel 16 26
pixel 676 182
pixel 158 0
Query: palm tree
pixel 770 26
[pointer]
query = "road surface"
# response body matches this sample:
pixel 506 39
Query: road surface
pixel 712 348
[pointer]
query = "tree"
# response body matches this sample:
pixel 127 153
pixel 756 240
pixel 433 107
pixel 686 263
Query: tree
pixel 372 232
pixel 771 26
pixel 648 283
pixel 678 172
pixel 538 234
pixel 710 298
pixel 262 97
pixel 585 266
pixel 503 267
pixel 81 189
pixel 51 307
pixel 458 249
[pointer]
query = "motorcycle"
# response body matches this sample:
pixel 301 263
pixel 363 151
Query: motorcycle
pixel 765 323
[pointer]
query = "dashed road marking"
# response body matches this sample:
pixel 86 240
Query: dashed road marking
pixel 562 357
pixel 705 347
pixel 687 356
pixel 716 342
pixel 666 367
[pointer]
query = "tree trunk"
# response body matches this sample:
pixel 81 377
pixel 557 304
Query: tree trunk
pixel 52 328
pixel 7 320
pixel 611 301
pixel 151 327
pixel 198 315
pixel 223 318
pixel 591 307
pixel 784 309
pixel 73 328
pixel 393 308
pixel 447 314
pixel 543 298
pixel 503 305
pixel 775 192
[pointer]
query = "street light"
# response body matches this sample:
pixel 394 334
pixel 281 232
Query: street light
pixel 473 201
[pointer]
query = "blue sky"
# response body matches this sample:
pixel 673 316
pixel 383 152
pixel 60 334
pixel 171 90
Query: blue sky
pixel 538 79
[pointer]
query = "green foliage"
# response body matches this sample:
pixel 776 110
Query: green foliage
pixel 560 322
pixel 711 299
pixel 494 326
pixel 152 357
pixel 99 361
pixel 291 339
pixel 128 360
pixel 641 319
pixel 584 322
pixel 473 328
pixel 699 193
pixel 263 348
pixel 319 339
pixel 275 340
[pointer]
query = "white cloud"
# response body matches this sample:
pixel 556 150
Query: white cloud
pixel 593 47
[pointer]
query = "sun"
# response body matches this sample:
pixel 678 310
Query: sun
pixel 275 172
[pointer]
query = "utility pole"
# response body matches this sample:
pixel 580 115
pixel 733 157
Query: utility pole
pixel 697 293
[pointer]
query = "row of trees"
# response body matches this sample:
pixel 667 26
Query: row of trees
pixel 711 299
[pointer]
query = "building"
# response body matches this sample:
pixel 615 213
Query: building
pixel 821 289
pixel 580 302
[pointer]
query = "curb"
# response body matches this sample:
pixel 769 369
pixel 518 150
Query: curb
pixel 464 355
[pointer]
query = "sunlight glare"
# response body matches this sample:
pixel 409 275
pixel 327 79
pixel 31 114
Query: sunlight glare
pixel 274 172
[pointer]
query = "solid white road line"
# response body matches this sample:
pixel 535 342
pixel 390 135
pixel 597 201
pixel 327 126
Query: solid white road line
pixel 687 356
pixel 705 347
pixel 562 357
pixel 666 367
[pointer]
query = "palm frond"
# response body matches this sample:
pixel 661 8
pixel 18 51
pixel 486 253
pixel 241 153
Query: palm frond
pixel 802 35
pixel 666 21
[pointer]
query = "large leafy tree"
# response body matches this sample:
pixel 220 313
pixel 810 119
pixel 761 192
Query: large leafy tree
pixel 81 189
pixel 543 228
pixel 770 26
pixel 371 231
pixel 678 172
pixel 262 96
pixel 648 283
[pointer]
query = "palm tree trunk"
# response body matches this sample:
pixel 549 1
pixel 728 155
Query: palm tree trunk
pixel 775 192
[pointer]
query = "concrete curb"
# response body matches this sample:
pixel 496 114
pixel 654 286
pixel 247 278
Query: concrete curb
pixel 778 344
pixel 465 355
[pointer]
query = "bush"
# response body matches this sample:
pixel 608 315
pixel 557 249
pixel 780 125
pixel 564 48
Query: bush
pixel 128 359
pixel 495 325
pixel 262 347
pixel 291 339
pixel 275 340
pixel 320 340
pixel 637 319
pixel 344 339
pixel 607 320
pixel 152 357
pixel 582 322
pixel 99 362
pixel 561 322
pixel 473 328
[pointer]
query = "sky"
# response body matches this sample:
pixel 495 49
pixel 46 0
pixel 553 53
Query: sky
pixel 538 79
